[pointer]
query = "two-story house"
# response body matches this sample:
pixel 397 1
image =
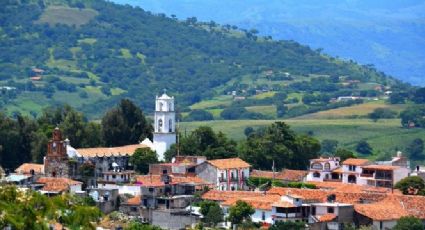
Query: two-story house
pixel 321 169
pixel 225 174
pixel 352 170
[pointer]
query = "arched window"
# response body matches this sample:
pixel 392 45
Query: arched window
pixel 316 174
pixel 170 126
pixel 159 125
pixel 170 106
pixel 327 166
pixel 161 106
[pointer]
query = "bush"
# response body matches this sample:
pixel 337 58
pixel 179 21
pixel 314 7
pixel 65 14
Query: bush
pixel 199 115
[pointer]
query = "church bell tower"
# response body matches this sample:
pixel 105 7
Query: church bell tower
pixel 165 124
pixel 56 163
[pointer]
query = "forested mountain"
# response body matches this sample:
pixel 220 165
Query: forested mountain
pixel 388 34
pixel 90 54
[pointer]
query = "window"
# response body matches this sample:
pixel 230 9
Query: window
pixel 352 167
pixel 263 216
pixel 151 189
pixel 327 166
pixel 331 210
pixel 161 106
pixel 114 176
pixel 133 209
pixel 316 174
pixel 170 126
pixel 313 211
pixel 159 125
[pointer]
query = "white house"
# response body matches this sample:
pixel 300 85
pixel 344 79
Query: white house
pixel 321 169
pixel 225 174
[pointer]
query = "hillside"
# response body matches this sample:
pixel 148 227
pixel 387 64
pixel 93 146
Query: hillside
pixel 388 34
pixel 90 54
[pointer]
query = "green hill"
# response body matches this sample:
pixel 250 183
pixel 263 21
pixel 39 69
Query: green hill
pixel 94 53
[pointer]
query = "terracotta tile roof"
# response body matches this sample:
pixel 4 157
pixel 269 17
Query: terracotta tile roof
pixel 134 201
pixel 324 159
pixel 57 184
pixel 155 180
pixel 381 167
pixel 355 161
pixel 319 195
pixel 327 217
pixel 264 202
pixel 286 174
pixel 283 204
pixel 225 195
pixel 338 170
pixel 115 151
pixel 353 188
pixel 393 207
pixel 229 163
pixel 26 168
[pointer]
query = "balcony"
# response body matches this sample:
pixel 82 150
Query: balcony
pixel 333 180
pixel 222 179
pixel 366 175
pixel 234 179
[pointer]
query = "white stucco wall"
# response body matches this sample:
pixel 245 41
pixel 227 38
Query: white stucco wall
pixel 257 216
pixel 123 189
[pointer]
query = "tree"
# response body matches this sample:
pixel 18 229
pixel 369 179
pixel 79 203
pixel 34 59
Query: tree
pixel 141 159
pixel 328 146
pixel 138 226
pixel 409 223
pixel 382 113
pixel 280 144
pixel 248 131
pixel 413 114
pixel 199 115
pixel 212 212
pixel 125 124
pixel 411 185
pixel 419 96
pixel 240 212
pixel 364 148
pixel 415 149
pixel 344 154
pixel 203 141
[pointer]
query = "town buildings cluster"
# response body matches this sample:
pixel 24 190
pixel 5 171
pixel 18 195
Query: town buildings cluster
pixel 353 191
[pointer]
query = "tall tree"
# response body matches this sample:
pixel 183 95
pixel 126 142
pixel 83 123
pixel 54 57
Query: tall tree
pixel 415 149
pixel 364 148
pixel 279 144
pixel 240 212
pixel 125 124
pixel 141 159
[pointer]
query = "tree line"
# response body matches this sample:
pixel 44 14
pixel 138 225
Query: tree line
pixel 24 139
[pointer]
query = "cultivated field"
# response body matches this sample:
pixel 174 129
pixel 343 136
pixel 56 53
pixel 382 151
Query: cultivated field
pixel 384 136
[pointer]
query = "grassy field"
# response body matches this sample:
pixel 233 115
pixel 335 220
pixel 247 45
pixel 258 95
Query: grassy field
pixel 216 101
pixel 356 110
pixel 269 110
pixel 384 135
pixel 65 15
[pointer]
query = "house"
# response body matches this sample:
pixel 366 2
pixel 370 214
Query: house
pixel 286 175
pixel 180 165
pixel 383 175
pixel 164 200
pixel 107 200
pixel 321 169
pixel 18 179
pixel 225 174
pixel 30 169
pixel 385 213
pixel 132 207
pixel 58 185
pixel 352 169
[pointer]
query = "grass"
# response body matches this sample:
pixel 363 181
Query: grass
pixel 269 110
pixel 65 15
pixel 264 95
pixel 360 110
pixel 89 41
pixel 27 102
pixel 117 91
pixel 385 136
pixel 223 100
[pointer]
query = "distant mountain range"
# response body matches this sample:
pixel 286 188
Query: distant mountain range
pixel 387 34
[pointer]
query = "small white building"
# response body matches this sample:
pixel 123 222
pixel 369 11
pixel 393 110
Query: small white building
pixel 225 174
pixel 165 125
